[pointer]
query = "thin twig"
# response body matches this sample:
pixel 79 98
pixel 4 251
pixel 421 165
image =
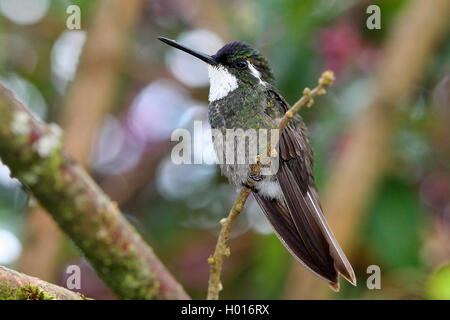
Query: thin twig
pixel 222 250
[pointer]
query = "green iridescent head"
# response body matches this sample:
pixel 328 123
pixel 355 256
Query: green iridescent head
pixel 238 58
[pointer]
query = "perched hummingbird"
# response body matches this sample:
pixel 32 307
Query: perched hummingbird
pixel 242 95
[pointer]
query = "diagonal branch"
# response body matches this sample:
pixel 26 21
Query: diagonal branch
pixel 222 250
pixel 33 152
pixel 18 286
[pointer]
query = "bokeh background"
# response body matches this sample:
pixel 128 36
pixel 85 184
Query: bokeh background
pixel 119 93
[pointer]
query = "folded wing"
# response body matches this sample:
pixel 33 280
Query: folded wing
pixel 298 220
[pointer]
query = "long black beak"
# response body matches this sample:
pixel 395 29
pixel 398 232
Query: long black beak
pixel 207 58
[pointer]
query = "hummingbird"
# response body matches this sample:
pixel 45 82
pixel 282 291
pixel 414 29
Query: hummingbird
pixel 243 95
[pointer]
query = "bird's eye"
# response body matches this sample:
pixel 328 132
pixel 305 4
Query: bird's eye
pixel 241 64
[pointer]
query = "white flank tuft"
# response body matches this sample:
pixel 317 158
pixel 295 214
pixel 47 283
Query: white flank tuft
pixel 221 82
pixel 269 189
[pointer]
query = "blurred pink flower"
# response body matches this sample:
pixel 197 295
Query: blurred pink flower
pixel 342 44
pixel 435 190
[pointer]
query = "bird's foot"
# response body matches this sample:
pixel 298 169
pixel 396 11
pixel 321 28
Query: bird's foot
pixel 246 185
pixel 257 177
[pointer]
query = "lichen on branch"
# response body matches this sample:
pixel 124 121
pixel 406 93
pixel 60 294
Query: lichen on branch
pixel 18 286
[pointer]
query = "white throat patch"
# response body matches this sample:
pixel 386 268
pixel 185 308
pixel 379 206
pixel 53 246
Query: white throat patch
pixel 221 82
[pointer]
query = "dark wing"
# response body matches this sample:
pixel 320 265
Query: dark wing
pixel 299 222
pixel 281 220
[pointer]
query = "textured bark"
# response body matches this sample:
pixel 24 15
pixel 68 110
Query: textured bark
pixel 33 151
pixel 18 286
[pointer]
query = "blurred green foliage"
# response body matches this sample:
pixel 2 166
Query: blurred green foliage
pixel 393 227
pixel 438 287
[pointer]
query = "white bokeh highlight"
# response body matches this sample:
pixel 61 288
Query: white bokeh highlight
pixel 190 70
pixel 10 247
pixel 24 11
pixel 26 92
pixel 65 56
pixel 156 110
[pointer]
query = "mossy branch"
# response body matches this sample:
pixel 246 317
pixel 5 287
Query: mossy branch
pixel 33 151
pixel 18 286
pixel 222 250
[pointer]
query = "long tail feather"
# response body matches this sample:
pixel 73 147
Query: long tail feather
pixel 281 220
pixel 308 218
